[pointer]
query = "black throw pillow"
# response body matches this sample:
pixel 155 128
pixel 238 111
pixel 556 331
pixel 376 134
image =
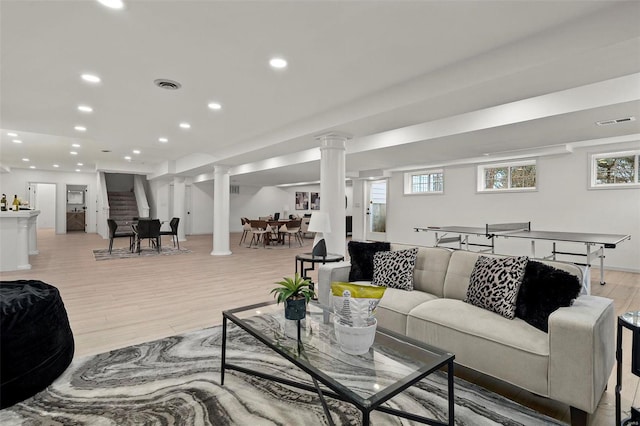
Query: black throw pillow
pixel 543 290
pixel 361 254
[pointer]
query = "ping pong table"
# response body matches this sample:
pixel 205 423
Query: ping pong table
pixel 595 243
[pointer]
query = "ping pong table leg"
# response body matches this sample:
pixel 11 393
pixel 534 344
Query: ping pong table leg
pixel 533 249
pixel 600 252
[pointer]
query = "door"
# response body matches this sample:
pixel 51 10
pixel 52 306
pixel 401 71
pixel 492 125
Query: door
pixel 187 211
pixel 42 196
pixel 376 213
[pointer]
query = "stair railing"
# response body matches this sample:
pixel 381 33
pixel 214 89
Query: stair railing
pixel 141 196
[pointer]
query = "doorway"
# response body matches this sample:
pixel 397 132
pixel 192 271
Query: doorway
pixel 42 196
pixel 376 214
pixel 76 208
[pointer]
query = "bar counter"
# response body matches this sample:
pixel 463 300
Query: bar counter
pixel 18 239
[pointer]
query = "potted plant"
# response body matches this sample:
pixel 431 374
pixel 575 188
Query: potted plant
pixel 295 293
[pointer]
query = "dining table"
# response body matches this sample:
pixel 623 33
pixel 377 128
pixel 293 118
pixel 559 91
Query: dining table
pixel 275 235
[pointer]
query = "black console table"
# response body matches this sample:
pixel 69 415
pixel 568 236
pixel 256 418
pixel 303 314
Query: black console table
pixel 630 321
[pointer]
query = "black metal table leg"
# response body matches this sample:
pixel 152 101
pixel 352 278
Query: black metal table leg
pixel 618 374
pixel 450 392
pixel 224 350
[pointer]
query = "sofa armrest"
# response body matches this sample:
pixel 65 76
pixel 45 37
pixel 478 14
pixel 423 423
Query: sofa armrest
pixel 328 273
pixel 581 351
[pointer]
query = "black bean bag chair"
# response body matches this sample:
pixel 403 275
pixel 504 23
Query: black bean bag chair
pixel 36 343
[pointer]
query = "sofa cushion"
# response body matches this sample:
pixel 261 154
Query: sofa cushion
pixel 395 305
pixel 494 284
pixel 361 256
pixel 544 289
pixel 431 268
pixel 395 268
pixel 485 341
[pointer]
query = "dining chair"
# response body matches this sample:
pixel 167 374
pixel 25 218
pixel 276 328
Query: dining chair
pixel 258 231
pixel 148 229
pixel 246 229
pixel 113 233
pixel 304 227
pixel 292 228
pixel 173 223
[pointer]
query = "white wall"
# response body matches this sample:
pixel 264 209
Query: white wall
pixel 201 208
pixel 255 202
pixel 562 202
pixel 17 182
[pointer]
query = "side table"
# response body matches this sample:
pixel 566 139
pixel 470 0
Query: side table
pixel 630 321
pixel 310 258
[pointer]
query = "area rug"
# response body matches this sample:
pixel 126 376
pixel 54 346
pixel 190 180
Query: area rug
pixel 175 381
pixel 122 253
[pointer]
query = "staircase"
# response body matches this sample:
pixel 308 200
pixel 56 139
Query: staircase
pixel 122 207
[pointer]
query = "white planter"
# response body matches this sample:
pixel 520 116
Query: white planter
pixel 355 340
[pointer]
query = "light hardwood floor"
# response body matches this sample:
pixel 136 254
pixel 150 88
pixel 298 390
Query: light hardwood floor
pixel 117 303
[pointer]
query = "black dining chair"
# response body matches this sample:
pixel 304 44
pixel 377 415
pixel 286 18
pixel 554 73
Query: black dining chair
pixel 113 233
pixel 174 231
pixel 148 229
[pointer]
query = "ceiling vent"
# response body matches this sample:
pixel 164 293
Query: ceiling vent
pixel 165 83
pixel 615 121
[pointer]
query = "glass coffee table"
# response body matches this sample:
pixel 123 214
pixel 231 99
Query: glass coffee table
pixel 393 364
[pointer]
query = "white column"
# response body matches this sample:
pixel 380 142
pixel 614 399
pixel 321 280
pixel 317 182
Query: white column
pixel 332 181
pixel 358 210
pixel 221 211
pixel 179 209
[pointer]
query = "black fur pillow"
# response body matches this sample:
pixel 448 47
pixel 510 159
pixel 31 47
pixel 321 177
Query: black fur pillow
pixel 361 254
pixel 545 289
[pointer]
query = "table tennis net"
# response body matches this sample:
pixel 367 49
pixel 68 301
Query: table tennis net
pixel 507 227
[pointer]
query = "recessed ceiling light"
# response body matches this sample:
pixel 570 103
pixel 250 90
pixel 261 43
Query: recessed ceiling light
pixel 79 164
pixel 278 63
pixel 77 170
pixel 185 125
pixel 11 134
pixel 136 151
pixel 127 158
pixel 163 140
pixel 214 106
pixel 75 145
pixel 32 167
pixel 73 153
pixel 56 165
pixel 112 4
pixel 25 159
pixel 85 108
pixel 80 128
pixel 17 141
pixel 91 78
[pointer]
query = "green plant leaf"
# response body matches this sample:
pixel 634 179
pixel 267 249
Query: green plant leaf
pixel 293 288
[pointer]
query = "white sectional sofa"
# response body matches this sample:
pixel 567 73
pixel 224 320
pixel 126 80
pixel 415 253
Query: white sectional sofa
pixel 571 363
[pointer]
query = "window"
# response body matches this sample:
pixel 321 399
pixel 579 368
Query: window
pixel 515 176
pixel 424 182
pixel 615 170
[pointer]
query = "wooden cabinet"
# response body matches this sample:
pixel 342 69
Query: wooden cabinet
pixel 75 221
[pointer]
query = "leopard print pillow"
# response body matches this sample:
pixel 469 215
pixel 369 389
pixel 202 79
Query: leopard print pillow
pixel 394 269
pixel 494 284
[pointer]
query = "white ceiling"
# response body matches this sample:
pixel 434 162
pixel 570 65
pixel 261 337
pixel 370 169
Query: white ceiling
pixel 415 83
